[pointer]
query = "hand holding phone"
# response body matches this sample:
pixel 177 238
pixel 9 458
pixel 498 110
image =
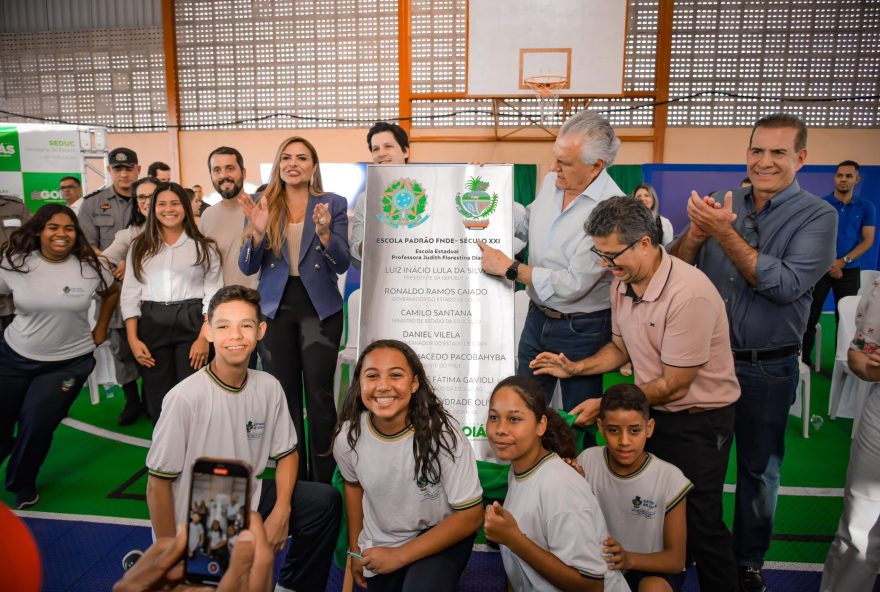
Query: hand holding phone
pixel 161 567
pixel 219 503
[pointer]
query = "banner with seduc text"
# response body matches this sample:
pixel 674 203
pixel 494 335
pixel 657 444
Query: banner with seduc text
pixel 422 281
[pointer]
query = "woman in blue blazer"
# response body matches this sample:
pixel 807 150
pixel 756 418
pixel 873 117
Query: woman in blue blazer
pixel 297 238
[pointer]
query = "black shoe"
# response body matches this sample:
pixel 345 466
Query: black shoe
pixel 26 499
pixel 130 413
pixel 751 579
pixel 131 558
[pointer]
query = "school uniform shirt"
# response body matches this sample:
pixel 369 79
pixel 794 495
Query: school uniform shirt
pixel 196 531
pixel 635 506
pixel 171 276
pixel 397 507
pixel 554 507
pixel 51 306
pixel 215 537
pixel 201 416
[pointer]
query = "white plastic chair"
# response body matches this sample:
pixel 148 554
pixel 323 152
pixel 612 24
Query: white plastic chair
pixel 801 406
pixel 520 312
pixel 866 279
pixel 340 283
pixel 848 391
pixel 817 363
pixel 105 370
pixel 349 354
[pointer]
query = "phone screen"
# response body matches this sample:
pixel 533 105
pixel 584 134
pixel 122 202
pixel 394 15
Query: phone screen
pixel 218 512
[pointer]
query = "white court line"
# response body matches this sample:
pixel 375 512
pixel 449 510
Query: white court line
pixel 800 491
pixel 792 566
pixel 102 433
pixel 83 518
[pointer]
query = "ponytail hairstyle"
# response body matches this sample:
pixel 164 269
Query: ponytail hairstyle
pixel 148 243
pixel 26 239
pixel 434 431
pixel 557 437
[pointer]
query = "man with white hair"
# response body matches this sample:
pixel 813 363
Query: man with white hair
pixel 570 308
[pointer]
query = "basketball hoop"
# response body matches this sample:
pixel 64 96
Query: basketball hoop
pixel 546 89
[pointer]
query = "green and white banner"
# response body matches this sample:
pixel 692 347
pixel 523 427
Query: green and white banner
pixel 34 158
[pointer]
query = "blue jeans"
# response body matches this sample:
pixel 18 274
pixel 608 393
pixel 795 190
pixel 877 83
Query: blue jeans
pixel 768 390
pixel 577 338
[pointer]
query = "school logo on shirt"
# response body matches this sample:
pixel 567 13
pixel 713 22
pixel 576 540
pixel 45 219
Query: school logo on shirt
pixel 428 491
pixel 255 429
pixel 73 292
pixel 403 204
pixel 644 507
pixel 476 205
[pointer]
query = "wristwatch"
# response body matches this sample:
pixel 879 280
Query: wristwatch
pixel 512 271
pixel 847 259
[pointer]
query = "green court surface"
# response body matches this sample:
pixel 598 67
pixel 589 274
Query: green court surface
pixel 91 475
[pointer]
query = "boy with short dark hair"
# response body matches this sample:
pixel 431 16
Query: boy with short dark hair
pixel 641 496
pixel 226 410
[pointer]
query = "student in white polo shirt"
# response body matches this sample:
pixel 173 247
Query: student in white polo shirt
pixel 46 354
pixel 229 411
pixel 550 528
pixel 412 493
pixel 642 497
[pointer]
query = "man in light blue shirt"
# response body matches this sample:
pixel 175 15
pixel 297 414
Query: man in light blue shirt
pixel 570 309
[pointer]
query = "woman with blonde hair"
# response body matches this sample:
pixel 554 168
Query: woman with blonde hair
pixel 297 238
pixel 646 194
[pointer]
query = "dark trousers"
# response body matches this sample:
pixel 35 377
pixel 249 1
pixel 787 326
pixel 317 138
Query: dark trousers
pixel 168 330
pixel 768 391
pixel 436 573
pixel 848 285
pixel 315 512
pixel 299 349
pixel 38 396
pixel 699 445
pixel 577 338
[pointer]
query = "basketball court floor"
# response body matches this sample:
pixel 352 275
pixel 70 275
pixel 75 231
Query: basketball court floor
pixel 92 508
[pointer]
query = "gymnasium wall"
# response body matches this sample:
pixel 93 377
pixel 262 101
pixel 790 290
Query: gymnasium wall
pixel 683 146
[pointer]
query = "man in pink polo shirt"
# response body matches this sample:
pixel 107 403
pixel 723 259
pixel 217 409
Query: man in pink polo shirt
pixel 668 319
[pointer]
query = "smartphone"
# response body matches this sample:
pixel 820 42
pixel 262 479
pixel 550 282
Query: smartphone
pixel 219 507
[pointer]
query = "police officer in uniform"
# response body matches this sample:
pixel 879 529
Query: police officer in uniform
pixel 103 214
pixel 13 213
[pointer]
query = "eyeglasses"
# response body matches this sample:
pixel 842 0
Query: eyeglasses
pixel 609 258
pixel 144 197
pixel 750 230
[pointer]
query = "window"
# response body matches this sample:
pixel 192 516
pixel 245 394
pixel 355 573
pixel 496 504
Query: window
pixel 111 77
pixel 775 48
pixel 331 62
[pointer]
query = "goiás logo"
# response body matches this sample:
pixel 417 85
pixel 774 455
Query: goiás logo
pixel 474 431
pixel 43 194
pixel 7 149
pixel 476 204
